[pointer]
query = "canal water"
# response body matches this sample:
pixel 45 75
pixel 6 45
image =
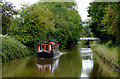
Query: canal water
pixel 76 62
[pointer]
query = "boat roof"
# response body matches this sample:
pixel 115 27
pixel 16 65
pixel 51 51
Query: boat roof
pixel 45 43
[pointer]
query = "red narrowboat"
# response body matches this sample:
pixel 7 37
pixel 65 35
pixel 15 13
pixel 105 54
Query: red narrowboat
pixel 48 50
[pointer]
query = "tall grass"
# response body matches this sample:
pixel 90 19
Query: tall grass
pixel 108 53
pixel 12 48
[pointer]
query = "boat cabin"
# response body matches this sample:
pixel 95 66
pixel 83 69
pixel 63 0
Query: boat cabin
pixel 47 47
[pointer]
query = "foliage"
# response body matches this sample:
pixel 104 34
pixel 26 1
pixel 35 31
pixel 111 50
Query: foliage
pixel 111 21
pixel 33 25
pixel 7 15
pixel 96 13
pixel 12 49
pixel 109 44
pixel 70 28
pixel 42 21
pixel 105 21
pixel 86 31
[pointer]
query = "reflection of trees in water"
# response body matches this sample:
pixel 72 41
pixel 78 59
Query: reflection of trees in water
pixel 69 64
pixel 12 68
pixel 24 67
pixel 102 69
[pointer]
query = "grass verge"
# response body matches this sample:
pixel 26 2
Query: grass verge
pixel 110 54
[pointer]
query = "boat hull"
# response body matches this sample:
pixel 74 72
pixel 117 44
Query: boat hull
pixel 47 54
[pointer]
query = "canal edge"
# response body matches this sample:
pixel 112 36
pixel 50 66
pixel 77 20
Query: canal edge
pixel 109 62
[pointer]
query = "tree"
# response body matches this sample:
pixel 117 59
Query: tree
pixel 111 21
pixel 42 21
pixel 68 23
pixel 86 31
pixel 96 12
pixel 8 10
pixel 105 21
pixel 33 25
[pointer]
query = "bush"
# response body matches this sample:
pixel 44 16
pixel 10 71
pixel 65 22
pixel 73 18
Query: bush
pixel 109 44
pixel 12 48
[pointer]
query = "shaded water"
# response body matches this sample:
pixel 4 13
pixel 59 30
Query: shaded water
pixel 76 62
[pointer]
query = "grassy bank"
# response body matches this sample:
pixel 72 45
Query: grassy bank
pixel 108 53
pixel 12 48
pixel 107 71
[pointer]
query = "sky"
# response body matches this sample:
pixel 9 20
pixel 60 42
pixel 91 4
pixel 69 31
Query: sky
pixel 82 6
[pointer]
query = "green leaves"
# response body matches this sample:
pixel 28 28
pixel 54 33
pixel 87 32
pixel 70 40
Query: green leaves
pixel 111 20
pixel 12 49
pixel 105 21
pixel 7 15
pixel 42 21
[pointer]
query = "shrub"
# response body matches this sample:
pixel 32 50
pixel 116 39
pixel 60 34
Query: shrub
pixel 12 48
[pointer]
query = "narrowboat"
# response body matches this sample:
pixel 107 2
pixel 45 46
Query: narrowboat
pixel 48 50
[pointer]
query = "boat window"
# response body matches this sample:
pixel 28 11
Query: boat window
pixel 42 46
pixel 46 47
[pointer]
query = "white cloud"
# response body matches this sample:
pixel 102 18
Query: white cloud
pixel 82 8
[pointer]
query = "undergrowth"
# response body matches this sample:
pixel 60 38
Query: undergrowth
pixel 108 53
pixel 12 48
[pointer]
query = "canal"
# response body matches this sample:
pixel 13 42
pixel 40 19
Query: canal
pixel 79 61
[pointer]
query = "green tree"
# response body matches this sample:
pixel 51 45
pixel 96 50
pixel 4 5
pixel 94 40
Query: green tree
pixel 111 21
pixel 33 25
pixel 42 21
pixel 86 31
pixel 68 23
pixel 105 21
pixel 8 10
pixel 96 12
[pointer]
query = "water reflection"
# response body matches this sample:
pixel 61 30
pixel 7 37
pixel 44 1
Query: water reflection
pixel 0 70
pixel 86 52
pixel 47 65
pixel 87 61
pixel 77 62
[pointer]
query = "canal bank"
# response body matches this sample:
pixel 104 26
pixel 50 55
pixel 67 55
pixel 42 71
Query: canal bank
pixel 109 56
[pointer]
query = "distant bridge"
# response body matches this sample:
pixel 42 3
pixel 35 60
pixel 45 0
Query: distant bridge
pixel 88 38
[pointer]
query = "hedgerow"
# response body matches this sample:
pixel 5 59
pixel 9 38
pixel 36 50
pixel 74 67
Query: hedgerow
pixel 12 48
